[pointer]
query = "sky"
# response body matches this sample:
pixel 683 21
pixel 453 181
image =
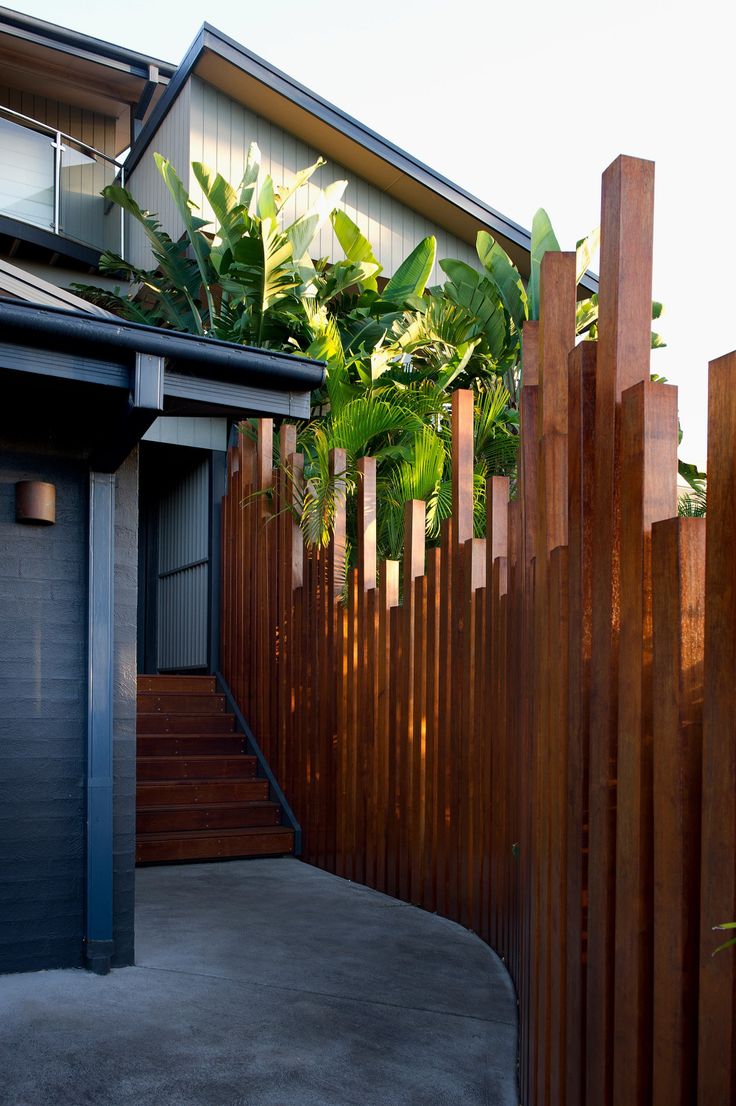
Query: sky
pixel 524 104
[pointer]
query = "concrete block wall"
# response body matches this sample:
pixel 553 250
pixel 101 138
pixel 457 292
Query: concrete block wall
pixel 43 715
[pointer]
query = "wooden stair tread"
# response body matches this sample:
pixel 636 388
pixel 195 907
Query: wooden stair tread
pixel 199 758
pixel 184 693
pixel 203 781
pixel 236 804
pixel 191 835
pixel 204 736
pixel 198 797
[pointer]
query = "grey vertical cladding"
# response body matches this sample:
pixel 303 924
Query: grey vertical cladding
pixel 145 182
pixel 206 125
pixel 183 569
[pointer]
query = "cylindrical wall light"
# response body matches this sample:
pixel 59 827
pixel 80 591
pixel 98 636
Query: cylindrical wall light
pixel 35 502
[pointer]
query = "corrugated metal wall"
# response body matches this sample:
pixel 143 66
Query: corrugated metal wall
pixel 183 571
pixel 221 131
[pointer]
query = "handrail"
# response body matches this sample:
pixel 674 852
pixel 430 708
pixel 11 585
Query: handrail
pixel 55 131
pixel 58 138
pixel 263 764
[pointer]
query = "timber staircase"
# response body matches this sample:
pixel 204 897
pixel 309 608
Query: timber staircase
pixel 198 795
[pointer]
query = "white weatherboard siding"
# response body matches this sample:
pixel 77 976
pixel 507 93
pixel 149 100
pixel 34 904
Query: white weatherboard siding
pixel 221 131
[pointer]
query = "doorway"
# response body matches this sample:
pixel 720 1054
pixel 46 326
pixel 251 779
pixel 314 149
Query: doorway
pixel 178 558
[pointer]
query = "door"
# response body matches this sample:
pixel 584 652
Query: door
pixel 183 570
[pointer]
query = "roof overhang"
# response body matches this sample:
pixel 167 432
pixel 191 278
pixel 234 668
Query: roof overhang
pixel 137 373
pixel 255 83
pixel 80 70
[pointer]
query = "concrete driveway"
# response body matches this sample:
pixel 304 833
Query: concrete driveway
pixel 267 983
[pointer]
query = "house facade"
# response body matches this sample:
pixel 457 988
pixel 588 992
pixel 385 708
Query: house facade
pixel 127 428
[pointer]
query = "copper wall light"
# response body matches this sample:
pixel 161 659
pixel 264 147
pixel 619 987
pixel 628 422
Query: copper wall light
pixel 35 502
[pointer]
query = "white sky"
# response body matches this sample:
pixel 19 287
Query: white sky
pixel 524 103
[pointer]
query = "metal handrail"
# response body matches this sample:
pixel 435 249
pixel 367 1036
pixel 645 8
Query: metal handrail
pixel 62 134
pixel 58 138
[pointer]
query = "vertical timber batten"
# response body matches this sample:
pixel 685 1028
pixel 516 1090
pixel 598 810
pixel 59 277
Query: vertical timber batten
pixel 513 738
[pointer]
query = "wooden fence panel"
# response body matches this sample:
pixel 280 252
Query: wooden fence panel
pixel 531 732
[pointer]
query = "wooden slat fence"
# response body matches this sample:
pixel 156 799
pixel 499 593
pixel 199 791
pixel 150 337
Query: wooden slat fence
pixel 532 733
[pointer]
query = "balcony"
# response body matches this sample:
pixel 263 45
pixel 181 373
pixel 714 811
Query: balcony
pixel 51 180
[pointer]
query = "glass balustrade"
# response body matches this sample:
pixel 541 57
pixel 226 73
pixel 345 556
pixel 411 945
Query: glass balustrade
pixel 51 180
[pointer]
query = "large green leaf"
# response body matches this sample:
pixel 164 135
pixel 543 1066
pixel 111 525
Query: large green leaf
pixel 192 225
pixel 355 245
pixel 232 217
pixel 284 193
pixel 543 239
pixel 367 418
pixel 504 275
pixel 250 178
pixel 586 250
pixel 262 267
pixel 266 205
pixel 480 299
pixel 410 279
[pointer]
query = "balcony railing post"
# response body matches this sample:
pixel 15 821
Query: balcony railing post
pixel 122 216
pixel 57 180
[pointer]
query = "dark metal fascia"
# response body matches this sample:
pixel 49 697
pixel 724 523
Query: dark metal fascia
pixel 164 105
pixel 46 239
pixel 68 41
pixel 210 38
pixel 43 325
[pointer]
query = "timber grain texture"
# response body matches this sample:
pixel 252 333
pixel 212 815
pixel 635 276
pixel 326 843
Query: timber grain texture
pixel 531 732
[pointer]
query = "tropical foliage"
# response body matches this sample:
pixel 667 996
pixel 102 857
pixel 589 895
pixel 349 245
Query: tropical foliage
pixel 394 349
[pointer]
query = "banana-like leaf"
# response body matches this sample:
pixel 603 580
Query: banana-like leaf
pixel 263 266
pixel 343 275
pixel 250 178
pixel 301 234
pixel 266 206
pixel 586 250
pixel 480 299
pixel 691 474
pixel 457 364
pixel 460 272
pixel 284 194
pixel 504 275
pixel 232 217
pixel 543 239
pixel 355 245
pixel 192 225
pixel 586 314
pixel 410 279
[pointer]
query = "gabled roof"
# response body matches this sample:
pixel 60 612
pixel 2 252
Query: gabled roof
pixel 252 81
pixel 78 69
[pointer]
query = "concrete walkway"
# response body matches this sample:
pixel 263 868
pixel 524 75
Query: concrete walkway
pixel 267 983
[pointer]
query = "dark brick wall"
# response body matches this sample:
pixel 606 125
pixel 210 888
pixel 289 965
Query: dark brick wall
pixel 43 654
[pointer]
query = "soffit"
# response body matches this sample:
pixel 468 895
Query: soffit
pixel 104 86
pixel 342 148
